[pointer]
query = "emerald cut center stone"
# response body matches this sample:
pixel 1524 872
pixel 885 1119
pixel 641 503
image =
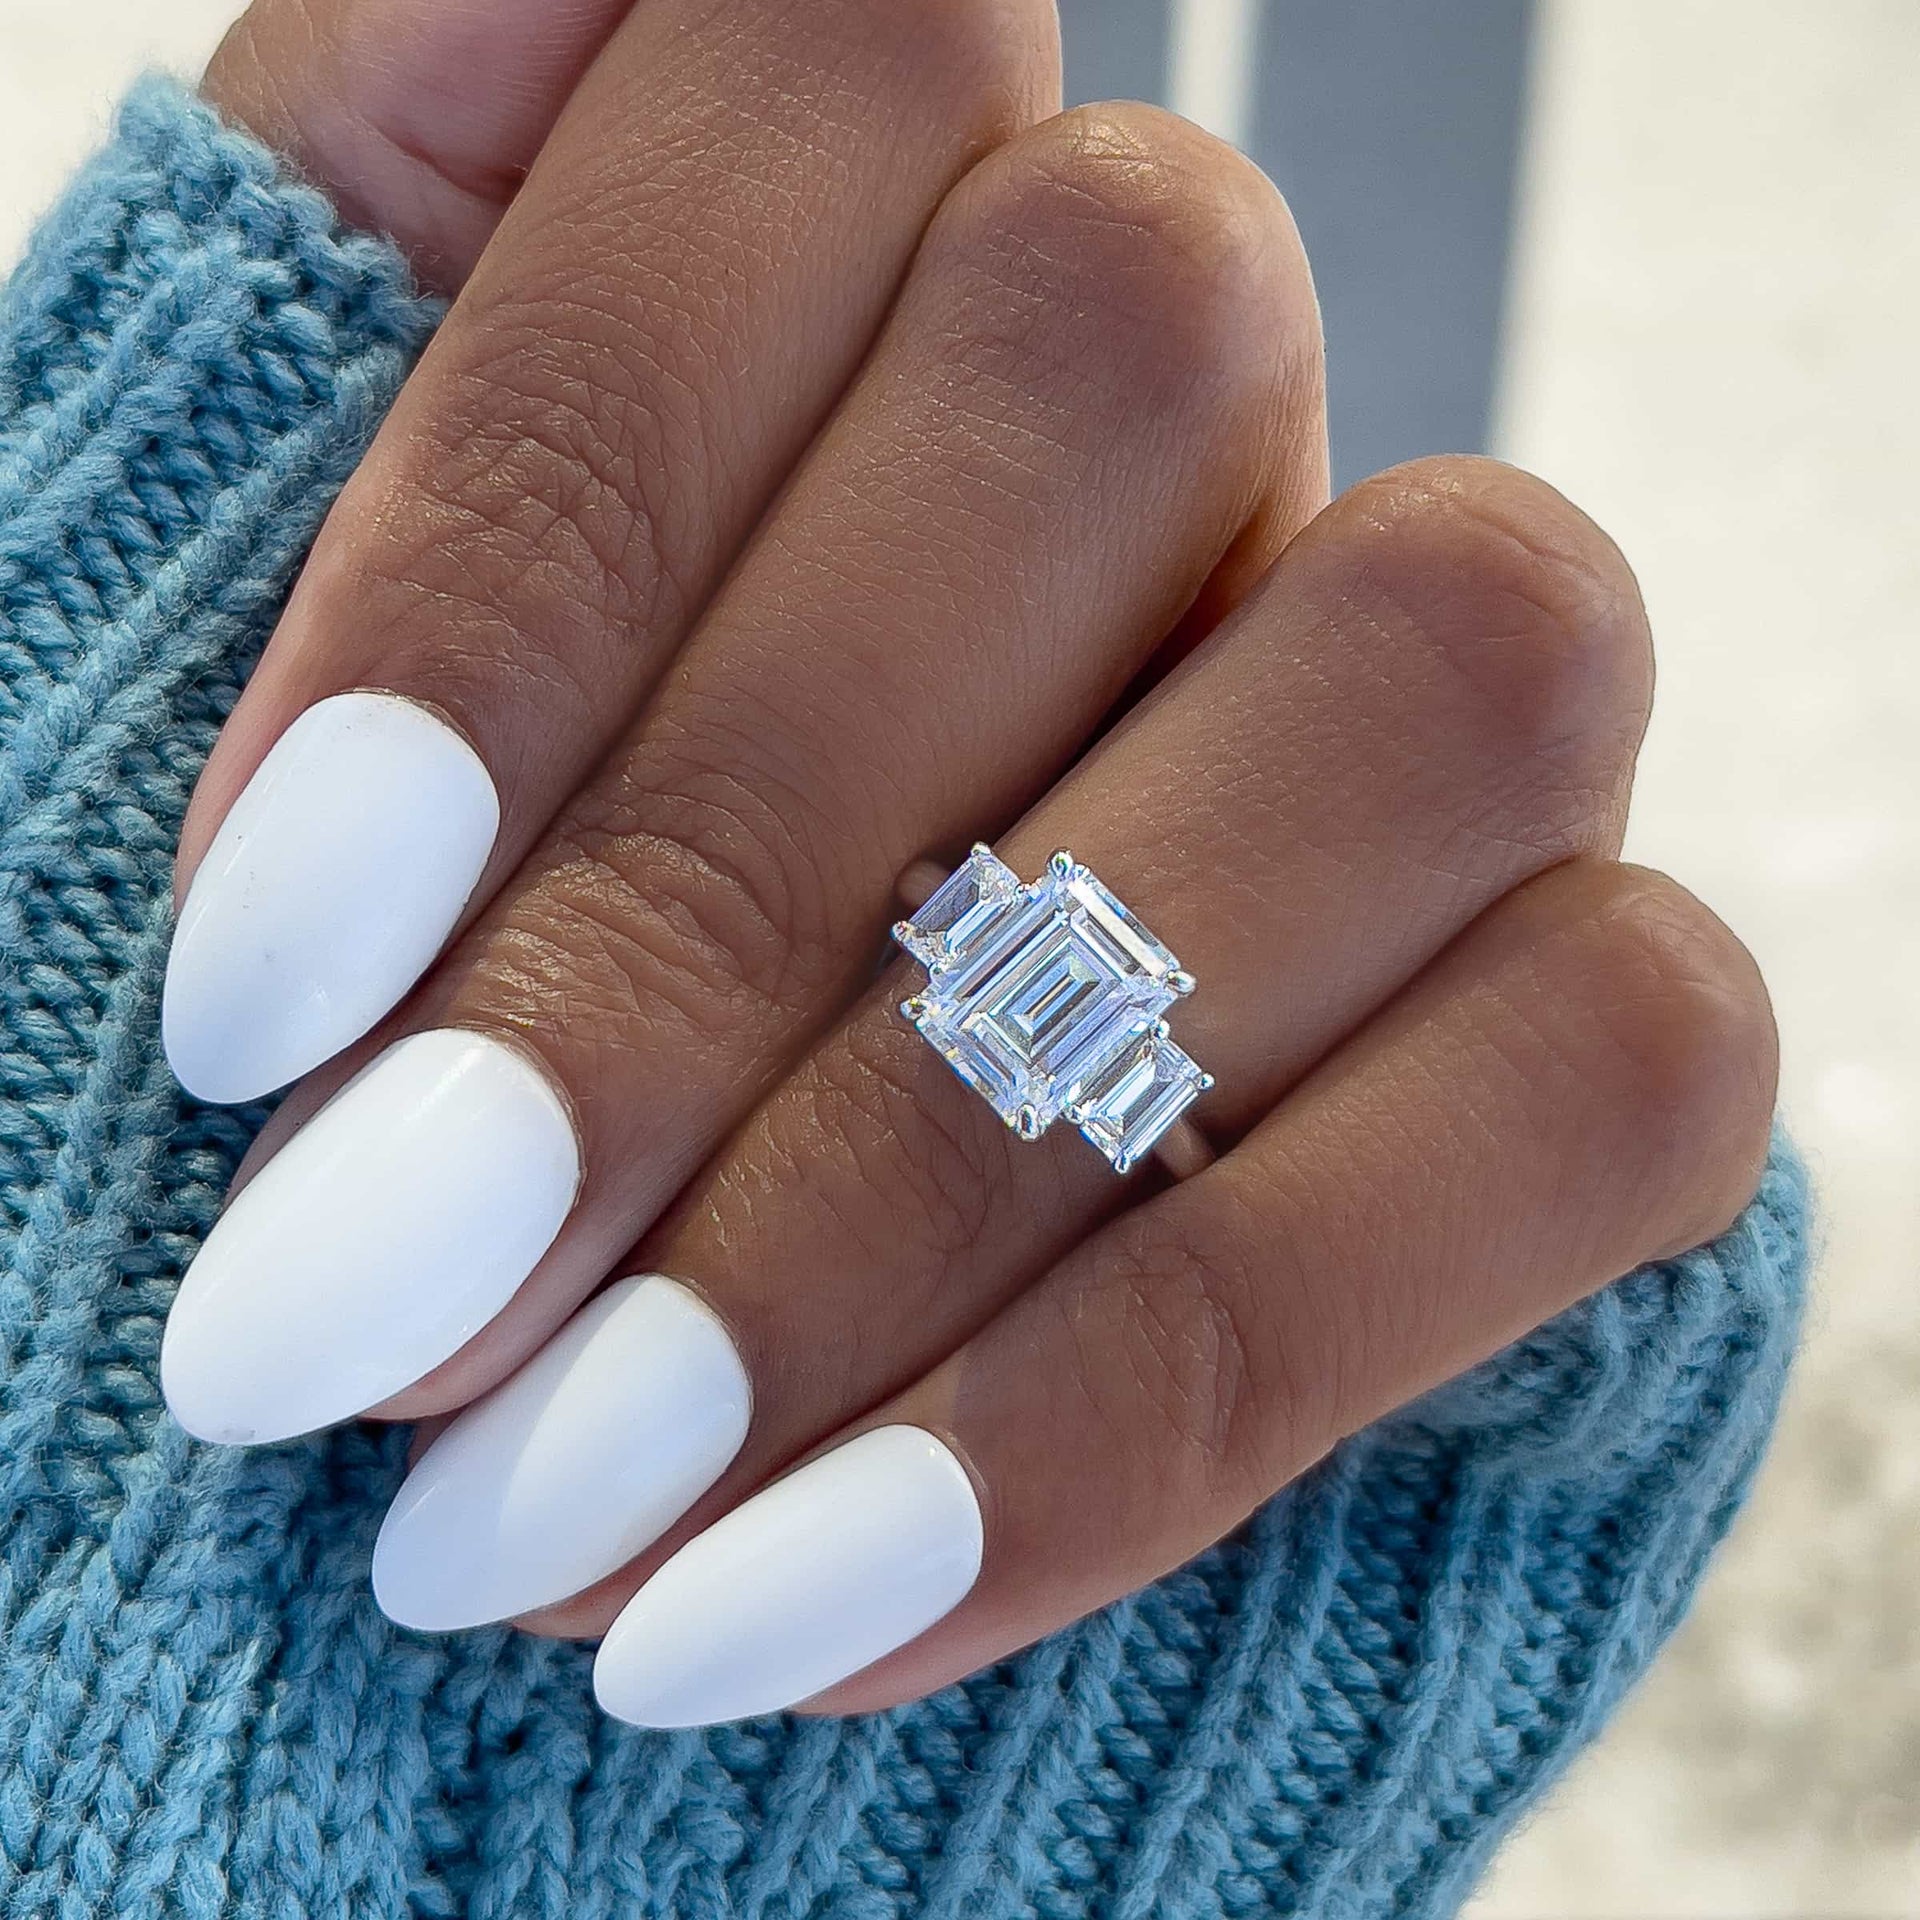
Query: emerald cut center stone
pixel 1047 1000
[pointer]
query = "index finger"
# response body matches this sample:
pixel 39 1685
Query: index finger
pixel 695 267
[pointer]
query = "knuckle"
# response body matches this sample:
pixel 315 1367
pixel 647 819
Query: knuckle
pixel 702 820
pixel 1199 1348
pixel 1526 602
pixel 1121 238
pixel 562 450
pixel 890 1108
pixel 1691 1030
pixel 646 920
pixel 520 540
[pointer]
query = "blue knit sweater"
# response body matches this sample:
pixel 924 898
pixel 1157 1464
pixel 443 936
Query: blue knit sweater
pixel 1337 1713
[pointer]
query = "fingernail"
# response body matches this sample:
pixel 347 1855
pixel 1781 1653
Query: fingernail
pixel 386 1233
pixel 333 882
pixel 811 1580
pixel 564 1472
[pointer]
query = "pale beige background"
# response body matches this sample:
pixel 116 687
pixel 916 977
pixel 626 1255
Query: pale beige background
pixel 1715 331
pixel 1716 317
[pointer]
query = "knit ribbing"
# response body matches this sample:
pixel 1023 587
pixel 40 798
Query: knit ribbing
pixel 1336 1713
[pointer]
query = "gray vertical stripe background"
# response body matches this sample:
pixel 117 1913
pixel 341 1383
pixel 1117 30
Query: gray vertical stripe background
pixel 1393 127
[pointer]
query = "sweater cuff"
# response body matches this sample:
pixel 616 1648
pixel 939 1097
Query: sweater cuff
pixel 182 225
pixel 194 354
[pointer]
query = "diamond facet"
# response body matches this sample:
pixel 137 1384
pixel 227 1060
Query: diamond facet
pixel 1142 1093
pixel 963 907
pixel 1105 920
pixel 1047 998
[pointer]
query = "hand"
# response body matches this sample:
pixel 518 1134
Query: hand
pixel 823 448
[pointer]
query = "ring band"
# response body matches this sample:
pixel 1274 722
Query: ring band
pixel 1048 999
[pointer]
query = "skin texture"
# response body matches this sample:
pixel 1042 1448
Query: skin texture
pixel 716 893
pixel 674 301
pixel 815 389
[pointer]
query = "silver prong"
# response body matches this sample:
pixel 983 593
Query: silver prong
pixel 900 929
pixel 980 850
pixel 1026 1123
pixel 1073 1113
pixel 1181 981
pixel 1123 1163
pixel 1206 1080
pixel 1061 863
pixel 913 1006
pixel 1160 1030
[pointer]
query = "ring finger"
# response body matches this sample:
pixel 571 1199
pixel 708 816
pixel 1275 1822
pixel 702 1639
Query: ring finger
pixel 1435 694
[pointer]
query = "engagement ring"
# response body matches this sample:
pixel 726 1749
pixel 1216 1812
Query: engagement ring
pixel 1049 1000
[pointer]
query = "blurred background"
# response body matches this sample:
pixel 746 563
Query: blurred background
pixel 1666 253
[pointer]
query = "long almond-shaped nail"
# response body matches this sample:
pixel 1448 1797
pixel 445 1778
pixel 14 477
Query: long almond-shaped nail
pixel 331 885
pixel 814 1578
pixel 567 1470
pixel 386 1233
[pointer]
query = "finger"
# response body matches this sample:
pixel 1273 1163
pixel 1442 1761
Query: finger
pixel 1435 694
pixel 419 118
pixel 691 274
pixel 1582 1083
pixel 1027 486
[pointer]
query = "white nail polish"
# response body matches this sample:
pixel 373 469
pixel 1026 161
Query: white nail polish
pixel 390 1229
pixel 563 1473
pixel 331 885
pixel 814 1578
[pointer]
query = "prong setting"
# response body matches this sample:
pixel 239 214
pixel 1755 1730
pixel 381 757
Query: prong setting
pixel 1049 1000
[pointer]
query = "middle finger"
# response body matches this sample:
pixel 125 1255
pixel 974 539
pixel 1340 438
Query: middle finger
pixel 1436 693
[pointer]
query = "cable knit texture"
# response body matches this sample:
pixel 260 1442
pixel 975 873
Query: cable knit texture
pixel 1337 1713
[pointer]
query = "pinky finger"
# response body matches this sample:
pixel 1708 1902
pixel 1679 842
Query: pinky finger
pixel 1583 1082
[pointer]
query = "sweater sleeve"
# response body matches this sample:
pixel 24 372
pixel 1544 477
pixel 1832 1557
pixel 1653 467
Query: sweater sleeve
pixel 1338 1712
pixel 192 356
